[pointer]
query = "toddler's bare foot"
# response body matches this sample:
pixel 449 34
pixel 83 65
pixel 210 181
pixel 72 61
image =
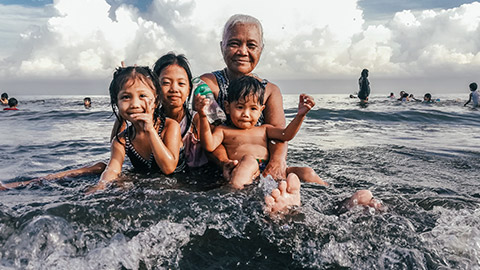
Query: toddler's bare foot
pixel 364 197
pixel 286 195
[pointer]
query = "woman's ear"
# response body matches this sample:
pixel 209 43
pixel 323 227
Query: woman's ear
pixel 221 47
pixel 262 108
pixel 227 107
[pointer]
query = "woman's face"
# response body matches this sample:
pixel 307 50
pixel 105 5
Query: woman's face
pixel 242 48
pixel 175 86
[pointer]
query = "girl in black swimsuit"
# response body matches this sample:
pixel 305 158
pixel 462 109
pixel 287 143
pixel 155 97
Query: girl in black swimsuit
pixel 151 142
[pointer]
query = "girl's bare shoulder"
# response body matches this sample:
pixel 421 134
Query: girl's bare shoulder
pixel 171 123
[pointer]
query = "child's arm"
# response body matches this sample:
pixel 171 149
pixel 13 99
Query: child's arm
pixel 114 167
pixel 469 99
pixel 166 152
pixel 305 104
pixel 208 140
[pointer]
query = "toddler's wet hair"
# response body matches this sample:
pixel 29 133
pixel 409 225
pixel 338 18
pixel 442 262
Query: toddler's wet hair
pixel 243 87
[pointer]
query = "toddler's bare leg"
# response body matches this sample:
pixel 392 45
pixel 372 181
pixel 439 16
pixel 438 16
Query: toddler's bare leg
pixel 306 174
pixel 244 172
pixel 287 194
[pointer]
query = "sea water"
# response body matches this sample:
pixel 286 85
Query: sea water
pixel 421 160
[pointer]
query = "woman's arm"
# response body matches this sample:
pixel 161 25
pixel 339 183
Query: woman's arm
pixel 211 81
pixel 275 116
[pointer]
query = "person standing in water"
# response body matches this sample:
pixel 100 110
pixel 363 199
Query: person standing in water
pixel 364 85
pixel 474 95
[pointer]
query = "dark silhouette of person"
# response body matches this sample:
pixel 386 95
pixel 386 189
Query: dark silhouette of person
pixel 364 85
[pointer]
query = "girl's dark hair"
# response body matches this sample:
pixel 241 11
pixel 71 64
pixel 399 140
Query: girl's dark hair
pixel 124 77
pixel 241 88
pixel 172 59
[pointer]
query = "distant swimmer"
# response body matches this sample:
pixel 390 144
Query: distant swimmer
pixel 4 99
pixel 474 95
pixel 12 103
pixel 427 98
pixel 392 95
pixel 87 102
pixel 364 85
pixel 412 98
pixel 403 96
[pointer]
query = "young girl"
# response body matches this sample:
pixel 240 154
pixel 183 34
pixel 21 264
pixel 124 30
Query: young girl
pixel 151 141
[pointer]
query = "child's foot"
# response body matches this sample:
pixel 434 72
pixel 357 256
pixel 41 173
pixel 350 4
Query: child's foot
pixel 364 197
pixel 286 195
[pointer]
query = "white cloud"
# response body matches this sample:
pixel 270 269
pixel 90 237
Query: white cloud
pixel 304 39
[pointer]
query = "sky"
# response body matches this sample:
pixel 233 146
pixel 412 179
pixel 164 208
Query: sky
pixel 73 46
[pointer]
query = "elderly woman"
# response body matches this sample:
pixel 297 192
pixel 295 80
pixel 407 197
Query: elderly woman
pixel 241 46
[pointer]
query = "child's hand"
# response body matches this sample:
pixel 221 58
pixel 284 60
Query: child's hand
pixel 146 119
pixel 94 189
pixel 305 104
pixel 201 103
